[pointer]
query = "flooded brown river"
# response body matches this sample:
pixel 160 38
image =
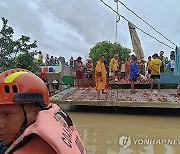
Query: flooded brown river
pixel 150 133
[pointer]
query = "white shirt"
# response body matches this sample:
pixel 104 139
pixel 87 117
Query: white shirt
pixel 172 63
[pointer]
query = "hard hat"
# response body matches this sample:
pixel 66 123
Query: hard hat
pixel 20 86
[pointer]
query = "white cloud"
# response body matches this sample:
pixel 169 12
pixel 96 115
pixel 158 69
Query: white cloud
pixel 65 28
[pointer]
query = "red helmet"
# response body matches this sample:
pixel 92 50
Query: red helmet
pixel 20 86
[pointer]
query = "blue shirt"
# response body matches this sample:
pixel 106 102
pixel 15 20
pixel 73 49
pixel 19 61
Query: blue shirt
pixel 133 70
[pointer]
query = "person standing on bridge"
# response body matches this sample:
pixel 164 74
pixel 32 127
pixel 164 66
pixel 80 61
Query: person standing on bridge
pixel 100 75
pixel 134 72
pixel 71 63
pixel 155 70
pixel 127 68
pixel 40 58
pixel 79 71
pixel 162 58
pixel 89 71
pixel 148 67
pixel 114 66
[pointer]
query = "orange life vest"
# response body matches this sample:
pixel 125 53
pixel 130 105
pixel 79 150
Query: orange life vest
pixel 52 126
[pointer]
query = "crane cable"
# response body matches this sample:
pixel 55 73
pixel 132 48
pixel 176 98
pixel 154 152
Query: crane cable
pixel 135 25
pixel 146 22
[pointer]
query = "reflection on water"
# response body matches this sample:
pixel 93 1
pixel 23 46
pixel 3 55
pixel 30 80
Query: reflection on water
pixel 100 132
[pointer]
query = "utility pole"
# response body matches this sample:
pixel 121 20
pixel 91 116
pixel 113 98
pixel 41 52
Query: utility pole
pixel 116 1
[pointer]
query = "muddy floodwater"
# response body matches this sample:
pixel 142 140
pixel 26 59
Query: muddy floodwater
pixel 148 132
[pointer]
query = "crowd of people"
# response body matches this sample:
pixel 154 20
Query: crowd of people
pixel 49 61
pixel 130 71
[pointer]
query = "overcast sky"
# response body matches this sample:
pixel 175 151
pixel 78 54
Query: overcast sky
pixel 71 27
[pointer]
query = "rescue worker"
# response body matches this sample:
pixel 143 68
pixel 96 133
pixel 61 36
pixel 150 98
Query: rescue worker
pixel 29 123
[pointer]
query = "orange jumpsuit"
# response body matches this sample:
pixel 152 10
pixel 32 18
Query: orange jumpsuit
pixel 100 67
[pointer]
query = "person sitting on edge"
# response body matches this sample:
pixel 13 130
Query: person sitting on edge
pixel 155 70
pixel 134 72
pixel 52 61
pixel 47 62
pixel 100 75
pixel 56 61
pixel 29 122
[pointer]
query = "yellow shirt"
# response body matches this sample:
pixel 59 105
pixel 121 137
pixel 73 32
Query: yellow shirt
pixel 114 64
pixel 155 66
pixel 40 58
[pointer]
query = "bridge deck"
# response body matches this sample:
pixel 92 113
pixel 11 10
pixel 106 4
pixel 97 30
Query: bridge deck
pixel 167 98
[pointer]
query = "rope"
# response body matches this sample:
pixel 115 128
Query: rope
pixel 117 20
pixel 135 25
pixel 146 22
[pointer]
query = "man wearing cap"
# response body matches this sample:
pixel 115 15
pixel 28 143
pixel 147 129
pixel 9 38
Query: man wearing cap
pixel 29 123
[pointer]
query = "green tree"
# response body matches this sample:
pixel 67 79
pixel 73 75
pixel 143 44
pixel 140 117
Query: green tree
pixel 16 53
pixel 108 49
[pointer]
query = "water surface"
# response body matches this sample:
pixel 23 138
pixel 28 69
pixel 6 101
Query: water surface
pixel 100 132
